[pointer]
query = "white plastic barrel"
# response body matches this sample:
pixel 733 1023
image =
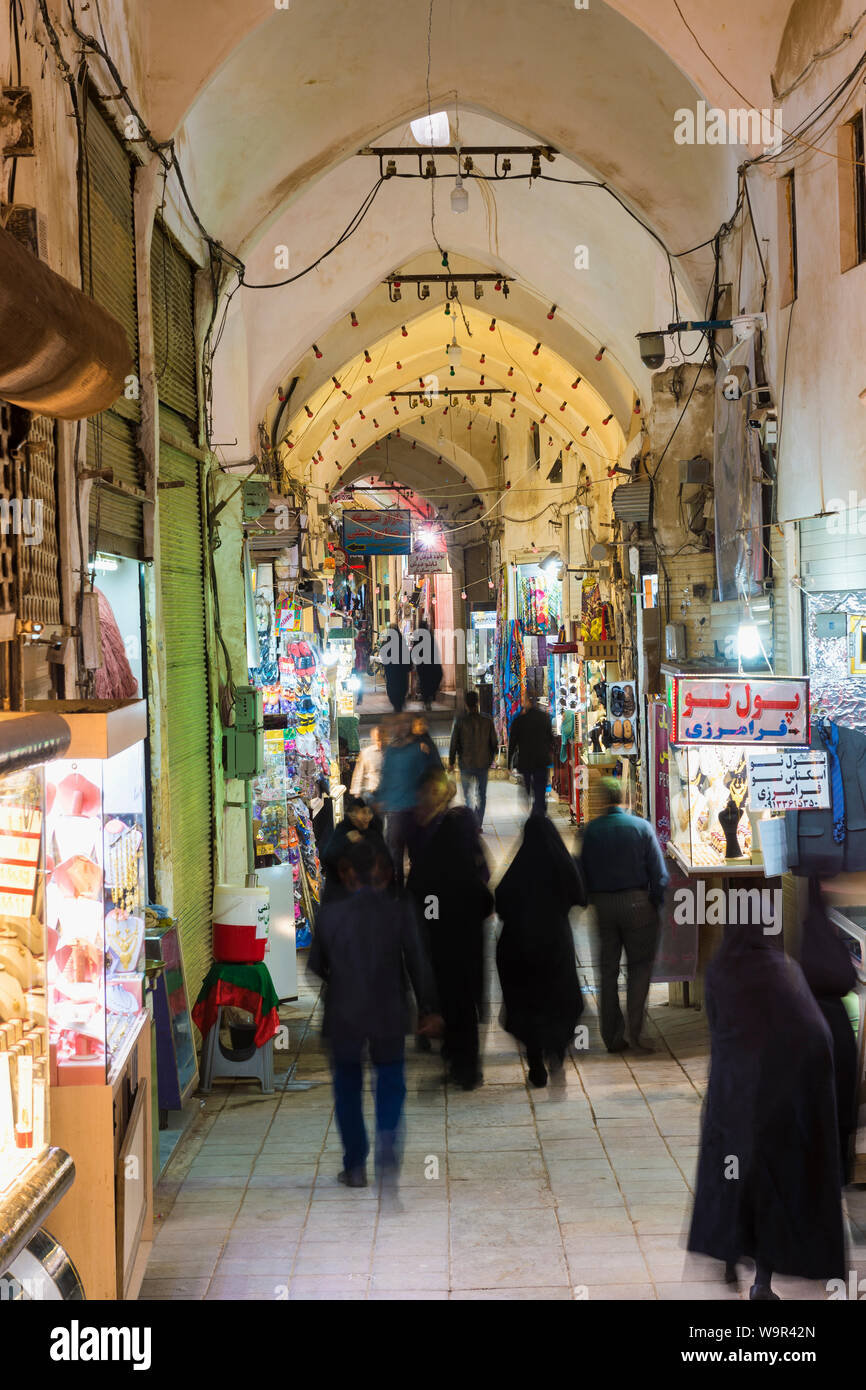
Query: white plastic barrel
pixel 241 919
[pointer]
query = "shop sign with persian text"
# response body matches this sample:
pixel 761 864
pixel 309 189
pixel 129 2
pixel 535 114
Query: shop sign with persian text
pixel 741 709
pixel 426 562
pixel 782 780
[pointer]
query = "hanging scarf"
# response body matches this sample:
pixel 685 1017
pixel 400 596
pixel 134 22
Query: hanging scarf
pixel 830 738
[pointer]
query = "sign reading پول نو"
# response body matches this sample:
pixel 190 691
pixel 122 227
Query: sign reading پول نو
pixel 741 709
pixel 377 533
pixel 426 562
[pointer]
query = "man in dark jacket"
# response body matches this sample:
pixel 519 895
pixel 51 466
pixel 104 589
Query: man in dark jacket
pixel 531 742
pixel 406 761
pixel 364 948
pixel 626 877
pixel 474 745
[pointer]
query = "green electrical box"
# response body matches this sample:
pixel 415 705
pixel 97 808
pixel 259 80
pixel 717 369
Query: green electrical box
pixel 243 742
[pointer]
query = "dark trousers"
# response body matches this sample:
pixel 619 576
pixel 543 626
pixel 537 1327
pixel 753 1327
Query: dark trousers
pixel 535 783
pixel 386 1056
pixel 625 921
pixel 399 829
pixel 479 776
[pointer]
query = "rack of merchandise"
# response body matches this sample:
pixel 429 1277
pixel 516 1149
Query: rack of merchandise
pixel 34 1176
pixel 98 1026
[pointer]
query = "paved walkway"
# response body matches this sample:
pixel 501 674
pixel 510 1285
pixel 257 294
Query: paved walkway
pixel 582 1190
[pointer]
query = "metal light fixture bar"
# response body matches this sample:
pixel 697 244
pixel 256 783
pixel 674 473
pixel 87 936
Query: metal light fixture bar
pixel 462 153
pixel 447 391
pixel 451 282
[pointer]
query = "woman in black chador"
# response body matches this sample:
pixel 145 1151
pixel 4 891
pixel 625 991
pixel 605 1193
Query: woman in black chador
pixel 542 1001
pixel 768 1175
pixel 448 883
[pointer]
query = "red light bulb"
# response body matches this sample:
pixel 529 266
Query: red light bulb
pixel 367 357
pixel 608 419
pixel 600 354
pixel 492 325
pixel 576 382
pixel 584 432
pixel 562 407
pixel 404 330
pixel 538 388
pixel 551 311
pixel 354 319
pixel 316 350
pixel 536 350
pixel 309 412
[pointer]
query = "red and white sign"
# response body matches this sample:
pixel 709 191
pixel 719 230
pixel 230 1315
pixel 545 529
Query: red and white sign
pixel 741 709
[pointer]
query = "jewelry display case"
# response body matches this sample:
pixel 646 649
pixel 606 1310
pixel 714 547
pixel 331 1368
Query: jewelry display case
pixel 708 792
pixel 23 1030
pixel 94 902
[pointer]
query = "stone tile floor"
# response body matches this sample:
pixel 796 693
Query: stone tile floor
pixel 579 1191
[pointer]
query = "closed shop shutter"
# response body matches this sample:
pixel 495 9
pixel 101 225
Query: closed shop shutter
pixel 108 276
pixel 833 551
pixel 781 614
pixel 183 564
pixel 186 706
pixel 40 562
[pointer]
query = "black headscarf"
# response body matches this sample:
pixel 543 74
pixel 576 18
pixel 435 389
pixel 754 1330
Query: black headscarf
pixel 542 877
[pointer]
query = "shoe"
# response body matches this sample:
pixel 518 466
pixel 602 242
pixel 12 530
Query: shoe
pixel 621 1046
pixel 353 1177
pixel 762 1293
pixel 731 1276
pixel 641 1046
pixel 538 1076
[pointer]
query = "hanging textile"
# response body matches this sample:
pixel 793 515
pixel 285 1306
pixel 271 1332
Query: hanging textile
pixel 499 718
pixel 514 674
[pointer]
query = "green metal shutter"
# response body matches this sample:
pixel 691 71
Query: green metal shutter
pixel 173 292
pixel 186 706
pixel 109 276
pixel 183 580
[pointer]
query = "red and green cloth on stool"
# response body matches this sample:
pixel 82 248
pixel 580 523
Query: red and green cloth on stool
pixel 248 987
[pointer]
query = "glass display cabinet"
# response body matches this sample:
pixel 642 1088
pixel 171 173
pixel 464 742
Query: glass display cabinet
pixel 94 901
pixel 23 1031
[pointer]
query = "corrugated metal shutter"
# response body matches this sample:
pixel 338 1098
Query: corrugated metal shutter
pixel 781 613
pixel 833 551
pixel 108 276
pixel 173 291
pixel 40 562
pixel 183 582
pixel 186 706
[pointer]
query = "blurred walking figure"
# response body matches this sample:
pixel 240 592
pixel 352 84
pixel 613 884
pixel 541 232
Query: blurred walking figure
pixel 421 733
pixel 474 744
pixel 395 659
pixel 626 877
pixel 405 761
pixel 768 1174
pixel 425 659
pixel 448 884
pixel 541 994
pixel 364 948
pixel 831 974
pixel 368 768
pixel 531 743
pixel 359 825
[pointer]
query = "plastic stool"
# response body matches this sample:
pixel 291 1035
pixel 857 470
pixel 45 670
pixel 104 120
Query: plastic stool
pixel 215 1061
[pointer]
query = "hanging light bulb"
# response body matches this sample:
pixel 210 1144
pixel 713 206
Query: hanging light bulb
pixel 576 382
pixel 544 418
pixel 551 311
pixel 459 196
pixel 463 593
pixel 354 319
pixel 483 358
pixel 367 357
pixel 607 419
pixel 492 325
pixel 513 413
pixel 316 350
pixel 536 350
pixel 584 432
pixel 309 412
pixel 511 371
pixel 404 330
pixel 538 389
pixel 513 397
pixel 562 407
pixel 362 415
pixel 637 406
pixel 490 583
pixel 600 354
pixel 454 351
pixel 481 383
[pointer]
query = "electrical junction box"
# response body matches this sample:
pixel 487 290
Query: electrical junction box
pixel 829 625
pixel 243 742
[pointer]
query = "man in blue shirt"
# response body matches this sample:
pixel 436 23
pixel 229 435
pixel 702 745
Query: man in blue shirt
pixel 626 878
pixel 404 764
